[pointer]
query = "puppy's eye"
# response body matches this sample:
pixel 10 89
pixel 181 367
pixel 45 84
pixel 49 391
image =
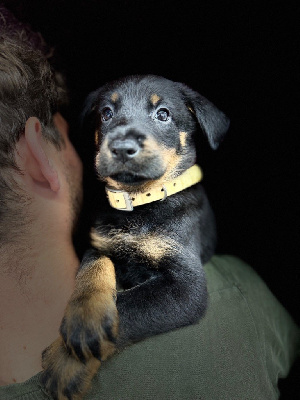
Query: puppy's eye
pixel 162 114
pixel 106 114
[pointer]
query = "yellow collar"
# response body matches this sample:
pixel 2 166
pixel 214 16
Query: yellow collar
pixel 124 201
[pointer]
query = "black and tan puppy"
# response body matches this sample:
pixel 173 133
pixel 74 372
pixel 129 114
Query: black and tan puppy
pixel 158 230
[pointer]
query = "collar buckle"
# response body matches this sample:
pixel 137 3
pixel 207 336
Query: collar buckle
pixel 127 202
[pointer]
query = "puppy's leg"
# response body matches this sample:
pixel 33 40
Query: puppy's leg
pixel 175 296
pixel 88 331
pixel 90 324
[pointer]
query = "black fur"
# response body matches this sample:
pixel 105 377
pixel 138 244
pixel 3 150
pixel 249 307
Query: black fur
pixel 166 290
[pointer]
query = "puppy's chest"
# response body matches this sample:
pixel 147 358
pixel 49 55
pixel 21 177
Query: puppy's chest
pixel 133 242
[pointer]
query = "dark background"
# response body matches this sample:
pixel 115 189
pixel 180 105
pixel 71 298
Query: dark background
pixel 241 55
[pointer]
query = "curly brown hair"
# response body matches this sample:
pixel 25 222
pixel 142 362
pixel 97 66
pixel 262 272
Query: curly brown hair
pixel 28 87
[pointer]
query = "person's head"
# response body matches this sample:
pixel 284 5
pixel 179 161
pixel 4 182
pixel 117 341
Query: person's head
pixel 39 169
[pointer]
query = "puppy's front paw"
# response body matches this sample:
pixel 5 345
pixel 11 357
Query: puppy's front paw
pixel 64 377
pixel 90 326
pixel 88 333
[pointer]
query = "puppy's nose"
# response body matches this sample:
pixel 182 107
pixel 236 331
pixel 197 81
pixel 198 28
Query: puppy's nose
pixel 123 150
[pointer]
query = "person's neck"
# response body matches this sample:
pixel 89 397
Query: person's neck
pixel 35 287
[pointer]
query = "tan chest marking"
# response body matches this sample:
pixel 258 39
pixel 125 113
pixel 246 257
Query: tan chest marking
pixel 152 246
pixel 155 247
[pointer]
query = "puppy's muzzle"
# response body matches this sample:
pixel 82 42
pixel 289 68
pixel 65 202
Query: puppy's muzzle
pixel 125 144
pixel 124 149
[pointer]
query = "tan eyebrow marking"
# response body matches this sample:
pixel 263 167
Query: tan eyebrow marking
pixel 154 99
pixel 114 97
pixel 182 136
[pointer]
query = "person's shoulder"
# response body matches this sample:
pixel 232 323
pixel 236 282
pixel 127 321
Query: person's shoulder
pixel 28 390
pixel 226 271
pixel 240 298
pixel 228 275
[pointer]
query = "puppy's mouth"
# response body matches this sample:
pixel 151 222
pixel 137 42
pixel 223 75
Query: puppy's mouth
pixel 133 175
pixel 129 178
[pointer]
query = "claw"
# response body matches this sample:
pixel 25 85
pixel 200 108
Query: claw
pixel 93 342
pixel 107 324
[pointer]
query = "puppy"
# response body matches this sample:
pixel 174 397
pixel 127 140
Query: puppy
pixel 156 227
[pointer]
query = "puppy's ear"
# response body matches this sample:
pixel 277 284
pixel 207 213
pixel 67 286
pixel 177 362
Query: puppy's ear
pixel 88 107
pixel 88 121
pixel 213 122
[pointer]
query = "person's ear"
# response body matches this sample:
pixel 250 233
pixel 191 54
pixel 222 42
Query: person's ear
pixel 35 161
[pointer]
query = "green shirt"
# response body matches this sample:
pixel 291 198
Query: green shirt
pixel 238 351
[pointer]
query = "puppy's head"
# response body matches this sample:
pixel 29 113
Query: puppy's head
pixel 144 129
